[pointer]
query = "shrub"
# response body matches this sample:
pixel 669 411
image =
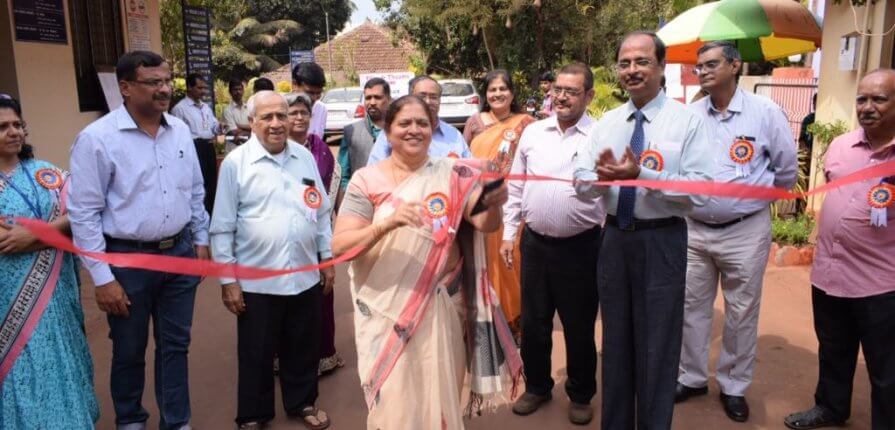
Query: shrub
pixel 793 231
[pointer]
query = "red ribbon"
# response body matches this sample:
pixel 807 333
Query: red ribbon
pixel 164 263
pixel 188 266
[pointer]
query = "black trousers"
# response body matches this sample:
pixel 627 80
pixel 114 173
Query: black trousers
pixel 842 324
pixel 208 163
pixel 560 275
pixel 286 326
pixel 642 277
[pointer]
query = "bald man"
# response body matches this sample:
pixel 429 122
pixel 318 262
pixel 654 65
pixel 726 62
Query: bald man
pixel 272 210
pixel 853 278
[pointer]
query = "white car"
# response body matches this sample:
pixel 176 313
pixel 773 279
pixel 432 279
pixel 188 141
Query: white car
pixel 459 101
pixel 343 106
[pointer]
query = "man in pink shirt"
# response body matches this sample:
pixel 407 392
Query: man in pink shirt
pixel 853 278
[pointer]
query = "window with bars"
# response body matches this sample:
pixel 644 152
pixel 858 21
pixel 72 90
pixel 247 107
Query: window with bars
pixel 97 42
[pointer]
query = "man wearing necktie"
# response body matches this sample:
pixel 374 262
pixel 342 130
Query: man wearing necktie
pixel 641 272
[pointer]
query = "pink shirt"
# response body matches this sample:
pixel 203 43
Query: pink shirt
pixel 853 259
pixel 550 208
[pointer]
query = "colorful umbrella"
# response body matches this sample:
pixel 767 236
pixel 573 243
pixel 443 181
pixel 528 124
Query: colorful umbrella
pixel 762 29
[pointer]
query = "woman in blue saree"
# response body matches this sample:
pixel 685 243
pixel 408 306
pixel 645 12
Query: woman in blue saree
pixel 46 375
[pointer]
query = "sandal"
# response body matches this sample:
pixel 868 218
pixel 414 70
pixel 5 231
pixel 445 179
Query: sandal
pixel 330 364
pixel 313 418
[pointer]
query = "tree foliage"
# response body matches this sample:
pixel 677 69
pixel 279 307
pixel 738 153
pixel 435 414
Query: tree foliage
pixel 250 37
pixel 469 37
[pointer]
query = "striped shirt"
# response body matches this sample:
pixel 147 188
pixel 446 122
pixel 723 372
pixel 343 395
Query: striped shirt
pixel 550 208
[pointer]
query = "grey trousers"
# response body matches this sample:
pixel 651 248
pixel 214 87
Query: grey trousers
pixel 737 256
pixel 640 278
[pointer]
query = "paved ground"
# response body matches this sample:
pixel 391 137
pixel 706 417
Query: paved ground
pixel 785 373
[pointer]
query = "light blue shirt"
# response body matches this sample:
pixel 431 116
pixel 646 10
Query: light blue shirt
pixel 128 185
pixel 671 129
pixel 774 163
pixel 446 139
pixel 263 217
pixel 198 116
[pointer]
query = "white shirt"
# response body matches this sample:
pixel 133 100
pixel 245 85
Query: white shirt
pixel 318 119
pixel 671 129
pixel 198 116
pixel 447 141
pixel 774 163
pixel 234 116
pixel 128 185
pixel 262 217
pixel 550 208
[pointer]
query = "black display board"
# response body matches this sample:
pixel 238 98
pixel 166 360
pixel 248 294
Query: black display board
pixel 39 21
pixel 197 41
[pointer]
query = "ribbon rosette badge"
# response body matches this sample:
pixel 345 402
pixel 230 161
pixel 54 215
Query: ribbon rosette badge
pixel 880 197
pixel 437 208
pixel 49 179
pixel 741 153
pixel 312 198
pixel 652 160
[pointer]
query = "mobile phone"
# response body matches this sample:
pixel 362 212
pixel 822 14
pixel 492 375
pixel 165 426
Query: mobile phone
pixel 487 188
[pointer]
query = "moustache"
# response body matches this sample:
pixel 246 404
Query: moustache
pixel 161 97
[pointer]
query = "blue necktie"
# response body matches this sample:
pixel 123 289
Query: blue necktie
pixel 627 195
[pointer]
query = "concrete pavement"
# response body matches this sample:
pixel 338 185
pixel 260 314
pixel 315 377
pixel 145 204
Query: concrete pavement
pixel 785 375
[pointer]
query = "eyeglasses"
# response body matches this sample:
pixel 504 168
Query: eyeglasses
pixel 571 92
pixel 640 63
pixel 708 66
pixel 300 114
pixel 157 83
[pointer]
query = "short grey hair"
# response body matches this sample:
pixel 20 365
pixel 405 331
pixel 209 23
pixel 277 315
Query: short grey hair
pixel 293 99
pixel 728 50
pixel 250 105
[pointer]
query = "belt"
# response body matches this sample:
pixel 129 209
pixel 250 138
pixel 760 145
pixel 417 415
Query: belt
pixel 584 234
pixel 724 224
pixel 644 224
pixel 157 245
pixel 201 140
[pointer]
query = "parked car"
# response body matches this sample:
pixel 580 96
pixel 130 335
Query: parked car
pixel 459 101
pixel 344 106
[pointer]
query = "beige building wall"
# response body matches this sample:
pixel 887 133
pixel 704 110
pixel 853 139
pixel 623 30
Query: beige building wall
pixel 44 78
pixel 837 88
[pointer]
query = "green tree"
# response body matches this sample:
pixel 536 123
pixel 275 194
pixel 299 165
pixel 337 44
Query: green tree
pixel 250 37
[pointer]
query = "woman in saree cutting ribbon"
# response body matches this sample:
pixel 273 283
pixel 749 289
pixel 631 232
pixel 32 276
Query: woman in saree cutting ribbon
pixel 300 122
pixel 45 367
pixel 422 281
pixel 493 134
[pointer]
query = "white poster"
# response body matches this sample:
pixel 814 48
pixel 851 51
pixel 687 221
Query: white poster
pixel 109 82
pixel 398 81
pixel 137 25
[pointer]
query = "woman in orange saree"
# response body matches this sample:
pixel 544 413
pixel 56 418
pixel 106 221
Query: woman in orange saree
pixel 425 314
pixel 493 135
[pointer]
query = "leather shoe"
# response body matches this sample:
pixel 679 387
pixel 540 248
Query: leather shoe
pixel 813 418
pixel 580 413
pixel 683 392
pixel 528 403
pixel 735 407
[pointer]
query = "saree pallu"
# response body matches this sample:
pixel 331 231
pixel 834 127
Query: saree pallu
pixel 416 293
pixel 497 143
pixel 45 367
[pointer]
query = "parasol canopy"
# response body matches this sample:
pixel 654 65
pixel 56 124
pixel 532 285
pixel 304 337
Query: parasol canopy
pixel 762 29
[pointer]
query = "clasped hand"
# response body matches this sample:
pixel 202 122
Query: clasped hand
pixel 610 169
